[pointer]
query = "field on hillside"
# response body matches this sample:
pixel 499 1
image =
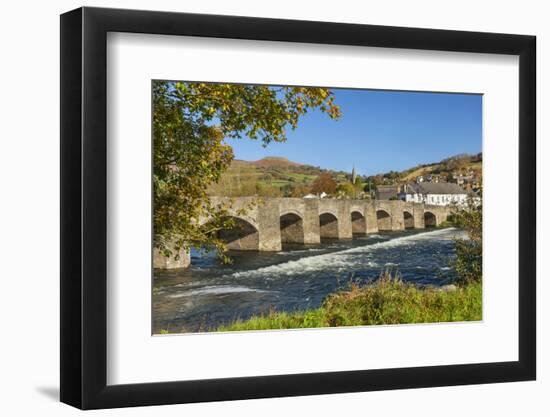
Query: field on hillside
pixel 250 177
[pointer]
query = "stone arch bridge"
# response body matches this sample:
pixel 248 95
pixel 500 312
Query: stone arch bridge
pixel 271 222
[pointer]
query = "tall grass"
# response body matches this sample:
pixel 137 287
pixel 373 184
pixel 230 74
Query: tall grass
pixel 388 301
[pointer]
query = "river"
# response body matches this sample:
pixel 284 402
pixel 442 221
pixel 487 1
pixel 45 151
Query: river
pixel 209 294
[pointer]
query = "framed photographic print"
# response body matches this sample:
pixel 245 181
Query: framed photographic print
pixel 257 208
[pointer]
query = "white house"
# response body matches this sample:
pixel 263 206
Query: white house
pixel 322 195
pixel 440 194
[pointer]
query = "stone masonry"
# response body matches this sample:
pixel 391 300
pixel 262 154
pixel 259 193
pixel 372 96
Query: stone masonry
pixel 270 222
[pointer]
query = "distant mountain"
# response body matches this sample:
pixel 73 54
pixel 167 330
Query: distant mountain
pixel 275 162
pixel 269 176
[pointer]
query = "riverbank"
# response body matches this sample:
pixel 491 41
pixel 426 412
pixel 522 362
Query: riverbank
pixel 388 301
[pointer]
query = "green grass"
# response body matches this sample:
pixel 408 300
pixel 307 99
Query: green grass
pixel 300 177
pixel 275 183
pixel 280 182
pixel 389 301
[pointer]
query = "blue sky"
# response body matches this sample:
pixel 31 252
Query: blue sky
pixel 379 131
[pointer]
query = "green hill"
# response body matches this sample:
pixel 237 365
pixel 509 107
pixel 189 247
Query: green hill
pixel 270 176
pixel 463 164
pixel 274 162
pixel 279 177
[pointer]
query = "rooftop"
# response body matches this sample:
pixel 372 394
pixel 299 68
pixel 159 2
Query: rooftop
pixel 434 188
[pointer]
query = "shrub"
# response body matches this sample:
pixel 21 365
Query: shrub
pixel 469 259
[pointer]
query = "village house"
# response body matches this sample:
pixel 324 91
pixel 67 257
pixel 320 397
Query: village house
pixel 322 195
pixel 387 192
pixel 440 194
pixel 429 178
pixel 461 179
pixel 469 181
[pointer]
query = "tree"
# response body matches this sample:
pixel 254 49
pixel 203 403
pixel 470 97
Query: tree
pixel 469 252
pixel 190 123
pixel 267 190
pixel 300 191
pixel 359 187
pixel 346 189
pixel 370 184
pixel 323 183
pixel 287 189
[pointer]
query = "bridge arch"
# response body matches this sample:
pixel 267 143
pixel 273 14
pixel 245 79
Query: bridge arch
pixel 292 228
pixel 358 222
pixel 242 236
pixel 295 212
pixel 383 218
pixel 408 219
pixel 430 219
pixel 328 225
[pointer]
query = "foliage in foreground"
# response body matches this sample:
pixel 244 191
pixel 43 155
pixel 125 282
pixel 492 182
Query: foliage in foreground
pixel 469 252
pixel 190 124
pixel 388 301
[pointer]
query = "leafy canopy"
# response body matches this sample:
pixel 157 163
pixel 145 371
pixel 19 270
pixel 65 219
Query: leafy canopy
pixel 324 184
pixel 190 123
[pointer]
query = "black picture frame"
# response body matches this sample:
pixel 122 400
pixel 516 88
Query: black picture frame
pixel 84 207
